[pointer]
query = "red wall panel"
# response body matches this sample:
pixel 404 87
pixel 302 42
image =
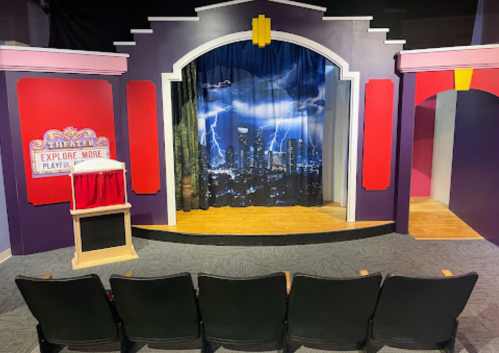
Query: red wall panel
pixel 378 127
pixel 143 137
pixel 430 83
pixel 486 80
pixel 422 156
pixel 48 103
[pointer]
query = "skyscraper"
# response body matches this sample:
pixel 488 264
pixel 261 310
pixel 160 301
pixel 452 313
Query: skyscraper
pixel 270 160
pixel 203 157
pixel 243 155
pixel 230 158
pixel 301 152
pixel 291 149
pixel 204 192
pixel 259 153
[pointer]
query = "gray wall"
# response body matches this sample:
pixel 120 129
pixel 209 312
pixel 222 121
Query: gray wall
pixel 335 142
pixel 443 145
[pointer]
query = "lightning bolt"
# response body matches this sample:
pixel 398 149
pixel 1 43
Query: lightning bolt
pixel 260 129
pixel 215 137
pixel 284 137
pixel 203 137
pixel 274 140
pixel 312 142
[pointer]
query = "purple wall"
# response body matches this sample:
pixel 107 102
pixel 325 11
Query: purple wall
pixel 365 52
pixel 36 228
pixel 486 30
pixel 39 26
pixel 404 157
pixel 24 21
pixel 474 195
pixel 14 21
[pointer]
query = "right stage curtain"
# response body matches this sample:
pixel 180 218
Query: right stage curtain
pixel 261 116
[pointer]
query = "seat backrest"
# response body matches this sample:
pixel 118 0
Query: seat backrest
pixel 243 310
pixel 332 310
pixel 421 310
pixel 159 309
pixel 71 311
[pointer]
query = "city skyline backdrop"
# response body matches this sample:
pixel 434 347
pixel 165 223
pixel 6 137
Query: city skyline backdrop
pixel 274 103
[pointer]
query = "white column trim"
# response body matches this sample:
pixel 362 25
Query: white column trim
pixel 172 19
pixel 345 74
pixel 348 18
pixel 124 43
pixel 395 41
pixel 4 256
pixel 141 31
pixel 374 30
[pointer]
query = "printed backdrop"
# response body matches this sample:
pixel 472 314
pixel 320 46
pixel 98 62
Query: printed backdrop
pixel 260 122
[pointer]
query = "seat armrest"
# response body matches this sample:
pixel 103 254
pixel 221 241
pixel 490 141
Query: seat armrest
pixel 288 281
pixel 197 292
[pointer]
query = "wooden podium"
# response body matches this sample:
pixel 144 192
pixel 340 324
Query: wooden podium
pixel 103 234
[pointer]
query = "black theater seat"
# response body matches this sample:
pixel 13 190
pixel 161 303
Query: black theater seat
pixel 157 310
pixel 243 311
pixel 414 310
pixel 332 310
pixel 71 312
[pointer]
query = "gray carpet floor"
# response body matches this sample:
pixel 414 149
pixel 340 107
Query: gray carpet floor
pixel 479 323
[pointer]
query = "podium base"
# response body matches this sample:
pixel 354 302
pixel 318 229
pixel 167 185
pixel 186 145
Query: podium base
pixel 110 256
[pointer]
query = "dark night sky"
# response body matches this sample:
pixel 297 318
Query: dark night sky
pixel 95 24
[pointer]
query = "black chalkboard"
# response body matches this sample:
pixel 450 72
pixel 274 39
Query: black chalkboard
pixel 101 232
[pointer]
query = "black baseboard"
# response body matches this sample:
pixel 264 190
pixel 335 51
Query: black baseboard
pixel 264 239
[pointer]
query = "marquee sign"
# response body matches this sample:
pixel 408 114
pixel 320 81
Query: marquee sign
pixel 59 150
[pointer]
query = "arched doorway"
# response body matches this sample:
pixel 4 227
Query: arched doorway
pixel 432 215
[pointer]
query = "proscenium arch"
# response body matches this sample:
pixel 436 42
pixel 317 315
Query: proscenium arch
pixel 345 74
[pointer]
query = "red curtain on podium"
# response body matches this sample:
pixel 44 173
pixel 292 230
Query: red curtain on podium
pixel 99 189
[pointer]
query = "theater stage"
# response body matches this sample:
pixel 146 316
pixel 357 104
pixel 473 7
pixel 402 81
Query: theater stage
pixel 264 226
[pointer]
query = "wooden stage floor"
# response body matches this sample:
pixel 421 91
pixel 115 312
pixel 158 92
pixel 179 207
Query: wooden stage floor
pixel 431 219
pixel 264 220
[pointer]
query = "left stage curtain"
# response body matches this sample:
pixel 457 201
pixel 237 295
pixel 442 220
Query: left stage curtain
pixel 187 157
pixel 99 189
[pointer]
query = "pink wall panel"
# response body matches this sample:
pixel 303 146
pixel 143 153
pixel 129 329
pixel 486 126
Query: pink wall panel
pixel 476 57
pixel 67 61
pixel 424 132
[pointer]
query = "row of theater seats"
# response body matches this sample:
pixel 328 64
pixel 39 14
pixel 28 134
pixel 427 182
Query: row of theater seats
pixel 247 311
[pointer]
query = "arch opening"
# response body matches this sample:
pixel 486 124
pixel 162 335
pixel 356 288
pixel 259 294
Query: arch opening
pixel 345 74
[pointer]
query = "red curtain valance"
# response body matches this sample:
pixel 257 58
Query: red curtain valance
pixel 99 189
